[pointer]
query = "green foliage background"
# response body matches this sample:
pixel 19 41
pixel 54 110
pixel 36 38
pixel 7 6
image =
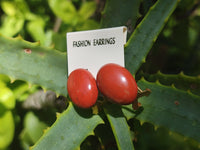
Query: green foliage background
pixel 162 52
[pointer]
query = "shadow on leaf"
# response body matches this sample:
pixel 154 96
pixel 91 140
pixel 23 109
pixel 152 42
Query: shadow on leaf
pixel 85 113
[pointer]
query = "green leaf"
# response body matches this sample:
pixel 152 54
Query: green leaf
pixel 36 29
pixel 87 9
pixel 9 8
pixel 88 24
pixel 19 89
pixel 70 129
pixel 180 81
pixel 146 33
pixel 33 128
pixel 119 126
pixel 64 9
pixel 169 107
pixel 7 128
pixel 7 98
pixel 15 8
pixel 33 63
pixel 4 78
pixel 120 13
pixel 11 25
pixel 59 40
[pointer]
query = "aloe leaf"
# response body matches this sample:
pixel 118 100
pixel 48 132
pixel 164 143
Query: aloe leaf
pixel 180 81
pixel 33 63
pixel 146 33
pixel 119 126
pixel 120 13
pixel 70 129
pixel 172 108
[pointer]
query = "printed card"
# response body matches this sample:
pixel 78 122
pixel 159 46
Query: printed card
pixel 94 48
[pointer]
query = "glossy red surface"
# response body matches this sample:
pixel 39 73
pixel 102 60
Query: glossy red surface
pixel 117 83
pixel 82 89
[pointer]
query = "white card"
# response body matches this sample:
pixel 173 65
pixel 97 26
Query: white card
pixel 94 48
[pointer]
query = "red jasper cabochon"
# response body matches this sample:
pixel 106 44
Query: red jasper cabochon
pixel 82 89
pixel 117 83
